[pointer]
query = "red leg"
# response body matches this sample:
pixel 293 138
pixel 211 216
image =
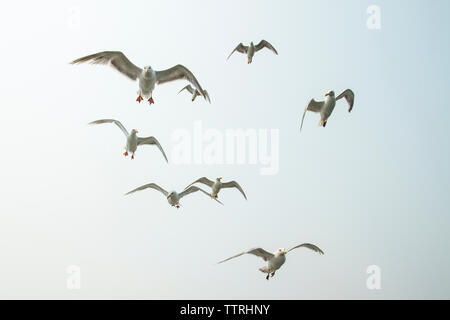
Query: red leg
pixel 139 99
pixel 151 100
pixel 126 153
pixel 267 278
pixel 132 156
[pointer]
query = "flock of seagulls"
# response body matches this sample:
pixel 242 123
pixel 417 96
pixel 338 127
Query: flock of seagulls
pixel 274 260
pixel 251 49
pixel 195 93
pixel 217 185
pixel 325 108
pixel 173 197
pixel 133 141
pixel 148 78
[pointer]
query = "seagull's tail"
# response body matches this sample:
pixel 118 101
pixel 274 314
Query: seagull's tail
pixel 264 269
pixel 322 123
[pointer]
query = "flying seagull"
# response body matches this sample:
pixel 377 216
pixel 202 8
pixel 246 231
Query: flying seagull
pixel 325 108
pixel 173 197
pixel 147 77
pixel 274 260
pixel 251 49
pixel 133 141
pixel 195 92
pixel 217 185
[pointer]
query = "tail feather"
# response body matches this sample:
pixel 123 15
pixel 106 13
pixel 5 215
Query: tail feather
pixel 264 269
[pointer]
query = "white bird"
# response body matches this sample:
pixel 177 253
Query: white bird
pixel 274 260
pixel 147 77
pixel 325 108
pixel 195 92
pixel 251 49
pixel 217 185
pixel 173 197
pixel 133 141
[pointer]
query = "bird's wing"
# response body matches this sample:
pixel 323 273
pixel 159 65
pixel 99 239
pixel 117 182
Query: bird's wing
pixel 240 48
pixel 256 251
pixel 203 180
pixel 151 140
pixel 192 189
pixel 309 246
pixel 117 60
pixel 349 96
pixel 188 88
pixel 314 106
pixel 207 96
pixel 264 44
pixel 150 185
pixel 120 125
pixel 178 72
pixel 234 184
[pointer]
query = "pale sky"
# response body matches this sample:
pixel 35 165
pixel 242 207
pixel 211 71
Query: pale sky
pixel 369 189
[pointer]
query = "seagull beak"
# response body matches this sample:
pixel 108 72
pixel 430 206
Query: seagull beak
pixel 146 70
pixel 327 94
pixel 284 252
pixel 137 131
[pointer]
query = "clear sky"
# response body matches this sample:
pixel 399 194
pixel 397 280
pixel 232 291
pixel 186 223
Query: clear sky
pixel 372 188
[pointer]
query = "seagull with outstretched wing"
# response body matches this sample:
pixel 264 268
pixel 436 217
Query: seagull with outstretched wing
pixel 195 92
pixel 173 197
pixel 147 76
pixel 133 141
pixel 274 260
pixel 217 185
pixel 251 49
pixel 325 108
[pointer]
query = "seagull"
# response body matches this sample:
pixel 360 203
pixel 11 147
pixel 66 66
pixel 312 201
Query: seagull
pixel 147 77
pixel 251 49
pixel 217 185
pixel 133 141
pixel 325 108
pixel 173 197
pixel 274 260
pixel 195 92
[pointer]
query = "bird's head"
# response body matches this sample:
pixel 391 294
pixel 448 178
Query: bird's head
pixel 331 94
pixel 219 178
pixel 147 69
pixel 134 131
pixel 170 195
pixel 281 252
